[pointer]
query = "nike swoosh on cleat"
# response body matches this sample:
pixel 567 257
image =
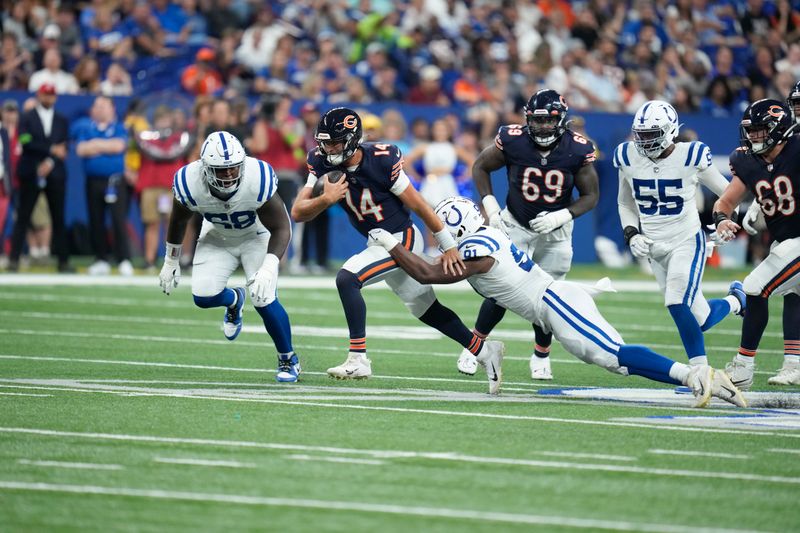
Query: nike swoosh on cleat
pixel 349 372
pixel 494 373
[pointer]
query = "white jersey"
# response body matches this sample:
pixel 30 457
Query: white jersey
pixel 662 191
pixel 236 216
pixel 514 281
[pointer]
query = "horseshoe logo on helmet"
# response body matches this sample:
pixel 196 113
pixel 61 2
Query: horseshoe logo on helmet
pixel 350 122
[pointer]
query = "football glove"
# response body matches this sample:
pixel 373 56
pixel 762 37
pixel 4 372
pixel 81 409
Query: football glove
pixel 265 282
pixel 547 222
pixel 492 209
pixel 170 274
pixel 640 246
pixel 753 220
pixel 381 237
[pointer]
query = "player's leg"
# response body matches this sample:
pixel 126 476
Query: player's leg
pixel 212 267
pixel 489 315
pixel 274 316
pixel 789 374
pixel 684 268
pixel 578 325
pixel 365 268
pixel 779 273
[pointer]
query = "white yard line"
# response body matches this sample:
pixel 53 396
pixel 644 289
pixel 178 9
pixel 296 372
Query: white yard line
pixel 331 459
pixel 203 462
pixel 63 464
pixel 25 394
pixel 333 505
pixel 784 450
pixel 691 453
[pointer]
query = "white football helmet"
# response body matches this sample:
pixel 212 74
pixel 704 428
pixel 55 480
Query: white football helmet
pixel 460 216
pixel 655 126
pixel 222 157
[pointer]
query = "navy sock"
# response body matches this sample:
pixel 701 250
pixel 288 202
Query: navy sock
pixel 642 361
pixel 689 330
pixel 489 316
pixel 445 320
pixel 276 321
pixel 223 299
pixel 355 309
pixel 720 308
pixel 756 317
pixel 791 324
pixel 543 342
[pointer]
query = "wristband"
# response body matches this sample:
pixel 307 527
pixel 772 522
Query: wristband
pixel 719 217
pixel 629 232
pixel 271 262
pixel 173 252
pixel 445 240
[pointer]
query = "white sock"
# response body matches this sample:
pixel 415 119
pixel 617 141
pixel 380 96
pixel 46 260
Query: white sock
pixel 791 360
pixel 734 302
pixel 744 359
pixel 680 372
pixel 698 360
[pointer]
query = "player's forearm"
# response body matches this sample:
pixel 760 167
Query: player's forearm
pixel 713 179
pixel 482 179
pixel 583 204
pixel 418 268
pixel 279 239
pixel 178 220
pixel 308 208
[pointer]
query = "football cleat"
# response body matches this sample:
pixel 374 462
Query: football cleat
pixel 540 368
pixel 700 380
pixel 724 389
pixel 737 291
pixel 741 373
pixel 232 323
pixel 491 359
pixel 789 374
pixel 356 366
pixel 467 363
pixel 288 369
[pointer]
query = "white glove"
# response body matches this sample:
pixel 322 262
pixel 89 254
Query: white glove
pixel 381 237
pixel 717 240
pixel 170 274
pixel 753 221
pixel 547 222
pixel 640 246
pixel 265 281
pixel 492 209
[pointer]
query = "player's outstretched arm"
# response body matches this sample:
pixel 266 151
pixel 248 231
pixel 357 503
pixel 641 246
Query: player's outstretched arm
pixel 451 261
pixel 588 185
pixel 275 218
pixel 724 206
pixel 306 208
pixel 170 274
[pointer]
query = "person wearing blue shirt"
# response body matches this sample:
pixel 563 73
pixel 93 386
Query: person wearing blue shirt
pixel 101 142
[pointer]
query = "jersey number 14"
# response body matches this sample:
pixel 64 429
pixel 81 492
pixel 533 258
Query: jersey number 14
pixel 367 206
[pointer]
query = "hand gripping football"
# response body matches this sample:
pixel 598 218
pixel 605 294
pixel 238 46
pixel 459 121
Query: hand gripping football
pixel 333 176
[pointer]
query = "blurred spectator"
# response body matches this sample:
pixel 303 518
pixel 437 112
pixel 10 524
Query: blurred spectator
pixel 70 40
pixel 221 119
pixel 259 41
pixel 373 127
pixel 202 77
pixel 20 24
pixel 108 38
pixel 395 130
pixel 429 89
pixel 15 64
pixel 48 41
pixel 221 17
pixel 195 29
pixel 718 101
pixel 51 74
pixel 5 183
pixel 315 232
pixel 101 142
pixel 117 82
pixel 87 75
pixel 43 135
pixel 148 37
pixel 470 91
pixel 790 63
pixel 171 18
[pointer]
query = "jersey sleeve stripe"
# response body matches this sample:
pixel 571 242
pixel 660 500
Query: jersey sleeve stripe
pixel 616 157
pixel 625 154
pixel 690 154
pixel 263 184
pixel 176 190
pixel 489 243
pixel 498 143
pixel 700 152
pixel 272 181
pixel 186 187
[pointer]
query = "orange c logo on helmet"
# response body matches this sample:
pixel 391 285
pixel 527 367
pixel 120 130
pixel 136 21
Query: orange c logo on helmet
pixel 350 122
pixel 775 111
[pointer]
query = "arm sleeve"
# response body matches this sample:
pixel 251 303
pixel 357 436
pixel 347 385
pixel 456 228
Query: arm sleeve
pixel 628 213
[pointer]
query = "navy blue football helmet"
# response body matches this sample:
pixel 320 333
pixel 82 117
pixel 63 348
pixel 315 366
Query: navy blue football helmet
pixel 339 125
pixel 765 123
pixel 546 116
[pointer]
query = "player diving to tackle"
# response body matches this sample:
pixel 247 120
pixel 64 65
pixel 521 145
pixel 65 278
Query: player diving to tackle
pixel 768 166
pixel 657 184
pixel 245 221
pixel 544 162
pixel 497 269
pixel 375 192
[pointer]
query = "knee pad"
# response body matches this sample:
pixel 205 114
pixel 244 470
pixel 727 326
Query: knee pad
pixel 209 301
pixel 347 280
pixel 752 286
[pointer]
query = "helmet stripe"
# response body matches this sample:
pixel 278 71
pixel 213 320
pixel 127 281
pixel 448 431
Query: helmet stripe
pixel 224 146
pixel 644 113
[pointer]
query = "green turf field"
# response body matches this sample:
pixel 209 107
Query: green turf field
pixel 122 409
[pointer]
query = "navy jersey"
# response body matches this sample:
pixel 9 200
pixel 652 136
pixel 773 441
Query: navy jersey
pixel 539 183
pixel 776 187
pixel 371 200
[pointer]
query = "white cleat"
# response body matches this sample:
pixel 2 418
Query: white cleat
pixel 99 268
pixel 125 268
pixel 789 374
pixel 741 373
pixel 467 363
pixel 491 359
pixel 356 366
pixel 700 380
pixel 723 388
pixel 540 368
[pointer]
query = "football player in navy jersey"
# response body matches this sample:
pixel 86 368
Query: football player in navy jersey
pixel 544 161
pixel 375 192
pixel 767 165
pixel 794 101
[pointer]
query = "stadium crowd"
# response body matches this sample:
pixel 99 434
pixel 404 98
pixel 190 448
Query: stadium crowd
pixel 484 58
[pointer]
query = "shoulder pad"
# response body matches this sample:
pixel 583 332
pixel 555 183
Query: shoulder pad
pixel 182 183
pixel 482 243
pixel 506 134
pixel 622 155
pixel 267 180
pixel 698 155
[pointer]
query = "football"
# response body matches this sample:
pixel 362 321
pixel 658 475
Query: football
pixel 333 176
